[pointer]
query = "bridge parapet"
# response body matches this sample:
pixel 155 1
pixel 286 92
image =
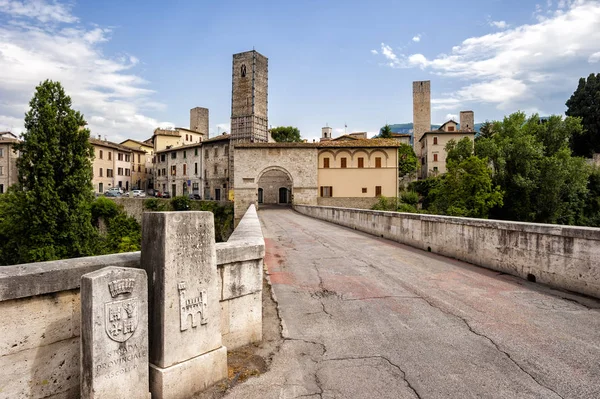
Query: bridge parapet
pixel 40 311
pixel 565 257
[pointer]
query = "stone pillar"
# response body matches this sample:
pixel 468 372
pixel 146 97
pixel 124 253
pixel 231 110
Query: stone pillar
pixel 114 334
pixel 186 351
pixel 421 112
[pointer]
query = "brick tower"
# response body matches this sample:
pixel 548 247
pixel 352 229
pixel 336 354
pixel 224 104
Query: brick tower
pixel 421 112
pixel 249 104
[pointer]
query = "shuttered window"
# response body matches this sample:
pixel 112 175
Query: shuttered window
pixel 343 162
pixel 378 191
pixel 378 162
pixel 361 162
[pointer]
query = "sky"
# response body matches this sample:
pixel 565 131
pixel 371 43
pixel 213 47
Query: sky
pixel 131 66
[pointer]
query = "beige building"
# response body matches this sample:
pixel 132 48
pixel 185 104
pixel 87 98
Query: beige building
pixel 432 147
pixel 112 165
pixel 8 161
pixel 354 169
pixel 178 171
pixel 402 138
pixel 216 168
pixel 142 176
pixel 351 173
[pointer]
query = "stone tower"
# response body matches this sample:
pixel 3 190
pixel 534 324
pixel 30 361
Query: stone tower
pixel 421 111
pixel 199 121
pixel 249 104
pixel 467 121
pixel 326 133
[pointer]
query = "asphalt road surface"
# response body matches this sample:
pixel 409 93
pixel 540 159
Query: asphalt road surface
pixel 364 317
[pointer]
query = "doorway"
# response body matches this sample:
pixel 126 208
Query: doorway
pixel 260 195
pixel 283 195
pixel 217 194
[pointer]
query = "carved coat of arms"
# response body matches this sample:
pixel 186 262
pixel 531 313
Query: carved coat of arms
pixel 121 317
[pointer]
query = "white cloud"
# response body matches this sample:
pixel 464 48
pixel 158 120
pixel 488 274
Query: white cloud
pixel 594 58
pixel 46 44
pixel 416 38
pixel 38 9
pixel 374 52
pixel 454 117
pixel 499 24
pixel 221 128
pixel 518 66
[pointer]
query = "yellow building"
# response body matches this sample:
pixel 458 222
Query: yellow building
pixel 432 145
pixel 112 165
pixel 354 169
pixel 142 176
pixel 8 161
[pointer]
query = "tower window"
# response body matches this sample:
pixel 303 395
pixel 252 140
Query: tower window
pixel 243 70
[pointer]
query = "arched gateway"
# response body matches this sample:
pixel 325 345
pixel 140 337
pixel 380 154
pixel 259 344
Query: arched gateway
pixel 274 173
pixel 275 186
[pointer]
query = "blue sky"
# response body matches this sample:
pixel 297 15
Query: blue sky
pixel 131 66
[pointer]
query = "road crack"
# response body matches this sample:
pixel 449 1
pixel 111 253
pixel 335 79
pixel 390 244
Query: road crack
pixel 508 356
pixel 382 358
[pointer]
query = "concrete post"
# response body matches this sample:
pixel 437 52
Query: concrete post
pixel 186 351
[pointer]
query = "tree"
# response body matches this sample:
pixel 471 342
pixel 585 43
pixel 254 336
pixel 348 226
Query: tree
pixel 385 132
pixel 407 160
pixel 467 190
pixel 47 215
pixel 286 134
pixel 532 163
pixel 585 103
pixel 486 130
pixel 458 152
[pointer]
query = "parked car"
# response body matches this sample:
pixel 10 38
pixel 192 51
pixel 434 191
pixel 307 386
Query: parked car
pixel 166 194
pixel 195 196
pixel 112 193
pixel 139 193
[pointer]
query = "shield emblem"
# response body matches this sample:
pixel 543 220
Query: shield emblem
pixel 121 319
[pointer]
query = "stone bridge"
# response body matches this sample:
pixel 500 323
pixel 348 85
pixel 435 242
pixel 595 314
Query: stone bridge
pixel 469 308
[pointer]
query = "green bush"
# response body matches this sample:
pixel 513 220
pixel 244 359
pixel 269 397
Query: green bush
pixel 181 203
pixel 103 207
pixel 386 204
pixel 410 198
pixel 407 208
pixel 154 204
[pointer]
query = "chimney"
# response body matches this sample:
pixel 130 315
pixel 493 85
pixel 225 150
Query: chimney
pixel 105 138
pixel 99 137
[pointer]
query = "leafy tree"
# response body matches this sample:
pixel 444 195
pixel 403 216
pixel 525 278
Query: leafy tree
pixel 486 130
pixel 458 152
pixel 47 214
pixel 532 163
pixel 585 103
pixel 592 204
pixel 467 190
pixel 386 132
pixel 407 160
pixel 286 134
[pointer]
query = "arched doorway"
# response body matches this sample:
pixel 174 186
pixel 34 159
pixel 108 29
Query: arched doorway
pixel 275 187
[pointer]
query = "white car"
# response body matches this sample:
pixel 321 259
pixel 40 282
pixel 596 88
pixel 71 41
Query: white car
pixel 139 193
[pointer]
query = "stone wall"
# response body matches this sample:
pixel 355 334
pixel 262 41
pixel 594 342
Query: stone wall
pixel 253 161
pixel 348 202
pixel 564 257
pixel 40 312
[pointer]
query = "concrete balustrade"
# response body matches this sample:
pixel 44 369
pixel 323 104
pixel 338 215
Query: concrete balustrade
pixel 40 312
pixel 565 257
